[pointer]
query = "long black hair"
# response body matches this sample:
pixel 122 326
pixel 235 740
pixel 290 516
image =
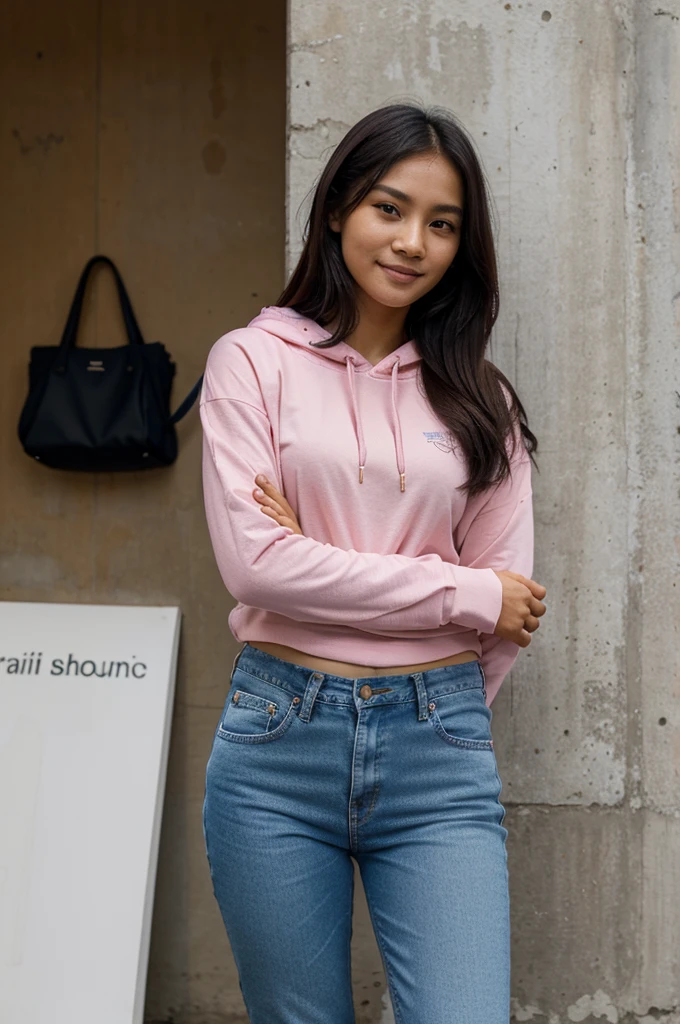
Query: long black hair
pixel 452 323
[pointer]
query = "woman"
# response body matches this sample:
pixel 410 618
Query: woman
pixel 368 495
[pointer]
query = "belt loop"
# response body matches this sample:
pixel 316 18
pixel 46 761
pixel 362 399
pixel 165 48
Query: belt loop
pixel 423 711
pixel 313 686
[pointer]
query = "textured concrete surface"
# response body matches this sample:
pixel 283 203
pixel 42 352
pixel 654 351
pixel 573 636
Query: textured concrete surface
pixel 158 136
pixel 574 109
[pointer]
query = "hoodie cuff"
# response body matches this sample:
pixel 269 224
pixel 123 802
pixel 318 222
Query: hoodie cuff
pixel 475 598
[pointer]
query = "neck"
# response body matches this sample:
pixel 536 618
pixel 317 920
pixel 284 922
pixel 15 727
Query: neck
pixel 380 329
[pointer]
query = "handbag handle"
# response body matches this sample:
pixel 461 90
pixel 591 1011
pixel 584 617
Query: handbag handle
pixel 184 406
pixel 68 338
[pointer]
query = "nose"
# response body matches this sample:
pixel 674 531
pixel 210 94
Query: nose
pixel 410 239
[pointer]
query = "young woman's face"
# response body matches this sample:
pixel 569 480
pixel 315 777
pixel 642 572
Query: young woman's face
pixel 411 219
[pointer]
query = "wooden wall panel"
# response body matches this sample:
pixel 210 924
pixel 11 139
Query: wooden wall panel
pixel 154 133
pixel 47 184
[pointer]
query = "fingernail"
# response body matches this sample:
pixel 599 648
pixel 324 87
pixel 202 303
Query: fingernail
pixel 259 479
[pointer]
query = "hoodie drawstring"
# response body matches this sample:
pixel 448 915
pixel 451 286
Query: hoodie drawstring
pixel 401 465
pixel 358 428
pixel 396 433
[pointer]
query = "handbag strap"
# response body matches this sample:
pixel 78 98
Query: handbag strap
pixel 184 407
pixel 68 338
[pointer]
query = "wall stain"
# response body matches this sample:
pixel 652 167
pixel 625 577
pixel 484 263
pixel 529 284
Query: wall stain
pixel 44 142
pixel 435 48
pixel 20 571
pixel 214 156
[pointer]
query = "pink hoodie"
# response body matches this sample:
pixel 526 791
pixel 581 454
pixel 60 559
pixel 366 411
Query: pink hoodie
pixel 395 566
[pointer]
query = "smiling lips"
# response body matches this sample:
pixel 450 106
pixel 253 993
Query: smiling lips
pixel 398 273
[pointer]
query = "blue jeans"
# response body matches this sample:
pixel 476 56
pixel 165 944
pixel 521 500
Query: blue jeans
pixel 309 770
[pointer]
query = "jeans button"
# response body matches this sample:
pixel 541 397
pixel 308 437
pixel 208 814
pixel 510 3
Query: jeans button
pixel 365 691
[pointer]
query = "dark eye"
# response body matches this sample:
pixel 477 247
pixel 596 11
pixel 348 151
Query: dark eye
pixel 381 205
pixel 448 224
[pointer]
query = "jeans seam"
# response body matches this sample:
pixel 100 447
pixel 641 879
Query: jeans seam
pixel 483 675
pixel 498 795
pixel 456 741
pixel 391 986
pixel 353 816
pixel 257 737
pixel 252 707
pixel 376 788
pixel 281 684
pixel 205 838
pixel 284 689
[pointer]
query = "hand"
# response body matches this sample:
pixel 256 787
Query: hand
pixel 274 504
pixel 521 607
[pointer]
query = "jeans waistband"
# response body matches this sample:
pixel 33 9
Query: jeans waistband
pixel 311 684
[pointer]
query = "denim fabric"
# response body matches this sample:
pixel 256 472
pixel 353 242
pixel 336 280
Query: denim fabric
pixel 308 771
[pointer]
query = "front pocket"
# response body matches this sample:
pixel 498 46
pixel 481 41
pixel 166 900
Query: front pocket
pixel 462 718
pixel 254 717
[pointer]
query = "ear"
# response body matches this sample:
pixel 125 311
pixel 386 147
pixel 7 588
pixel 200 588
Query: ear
pixel 334 222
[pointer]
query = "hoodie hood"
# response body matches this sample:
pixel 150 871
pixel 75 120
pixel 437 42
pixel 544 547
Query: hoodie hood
pixel 297 329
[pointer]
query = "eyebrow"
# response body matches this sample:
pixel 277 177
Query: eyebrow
pixel 440 208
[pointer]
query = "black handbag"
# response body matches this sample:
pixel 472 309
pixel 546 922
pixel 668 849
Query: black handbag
pixel 101 409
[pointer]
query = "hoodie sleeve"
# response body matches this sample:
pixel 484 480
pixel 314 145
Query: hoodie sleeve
pixel 497 531
pixel 268 566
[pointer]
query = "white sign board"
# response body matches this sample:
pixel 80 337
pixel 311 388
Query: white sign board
pixel 86 698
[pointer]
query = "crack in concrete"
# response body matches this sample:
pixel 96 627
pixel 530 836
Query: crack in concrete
pixel 323 121
pixel 313 44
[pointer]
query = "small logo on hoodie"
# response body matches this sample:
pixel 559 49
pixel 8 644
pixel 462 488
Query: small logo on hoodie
pixel 444 440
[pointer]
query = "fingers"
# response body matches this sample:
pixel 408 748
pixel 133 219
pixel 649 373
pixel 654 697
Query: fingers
pixel 280 517
pixel 273 504
pixel 267 501
pixel 536 608
pixel 275 511
pixel 271 496
pixel 538 592
pixel 537 589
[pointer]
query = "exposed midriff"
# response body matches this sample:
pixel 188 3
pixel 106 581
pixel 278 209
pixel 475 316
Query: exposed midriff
pixel 343 668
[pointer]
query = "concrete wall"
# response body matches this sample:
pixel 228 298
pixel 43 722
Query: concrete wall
pixel 156 133
pixel 153 132
pixel 574 107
